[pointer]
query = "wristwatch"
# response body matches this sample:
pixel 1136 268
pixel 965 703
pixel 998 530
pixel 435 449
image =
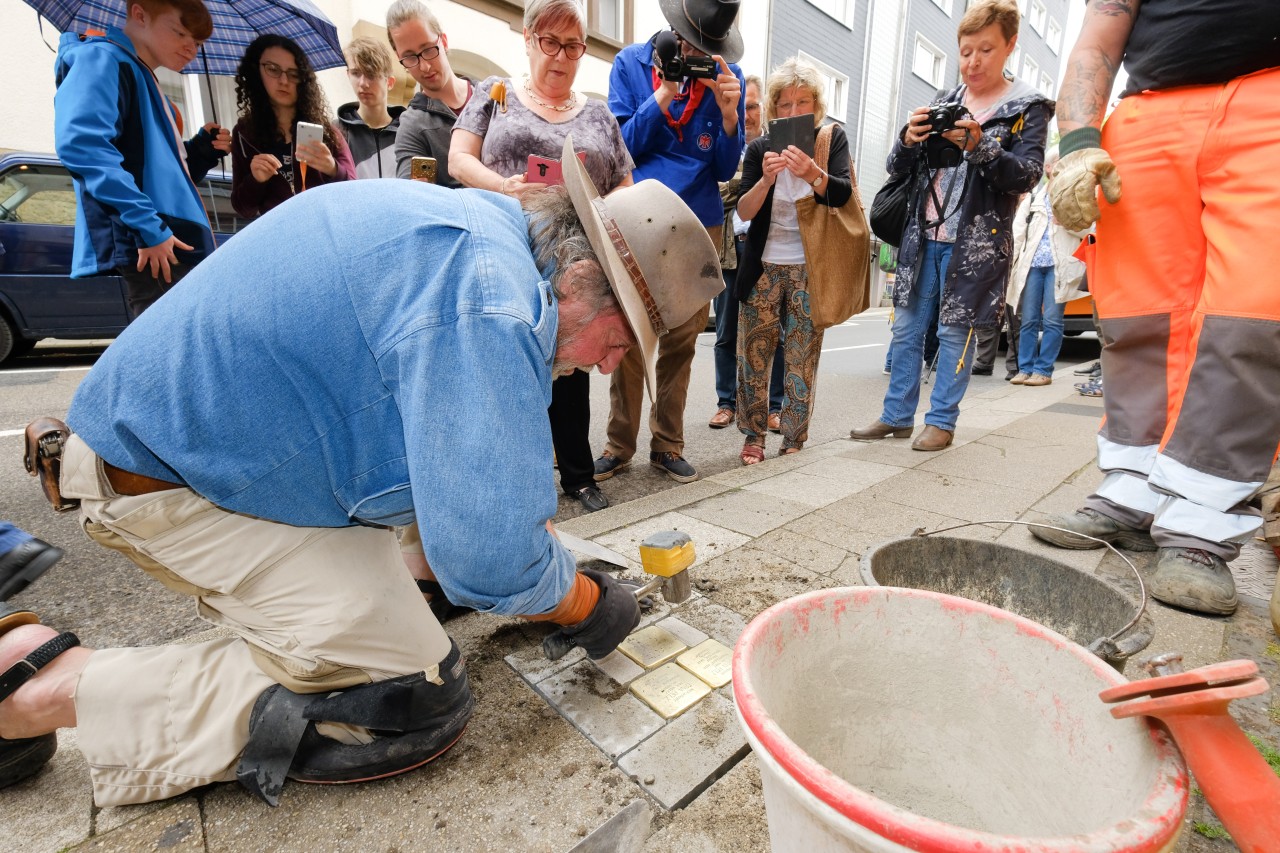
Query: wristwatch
pixel 817 182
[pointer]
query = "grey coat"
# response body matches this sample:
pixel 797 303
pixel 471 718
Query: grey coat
pixel 1007 162
pixel 426 126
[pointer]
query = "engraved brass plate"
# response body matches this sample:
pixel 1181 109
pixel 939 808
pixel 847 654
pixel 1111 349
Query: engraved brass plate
pixel 652 646
pixel 670 690
pixel 710 660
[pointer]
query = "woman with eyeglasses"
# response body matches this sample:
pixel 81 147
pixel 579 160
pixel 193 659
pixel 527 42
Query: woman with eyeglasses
pixel 506 122
pixel 275 89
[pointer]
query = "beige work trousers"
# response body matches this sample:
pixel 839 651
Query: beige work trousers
pixel 626 390
pixel 314 609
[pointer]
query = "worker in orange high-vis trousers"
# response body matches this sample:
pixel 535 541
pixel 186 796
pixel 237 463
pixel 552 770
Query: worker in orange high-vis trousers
pixel 1184 274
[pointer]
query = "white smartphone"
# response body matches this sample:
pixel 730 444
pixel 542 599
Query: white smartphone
pixel 307 132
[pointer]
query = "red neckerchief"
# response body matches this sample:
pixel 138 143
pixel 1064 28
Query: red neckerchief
pixel 694 97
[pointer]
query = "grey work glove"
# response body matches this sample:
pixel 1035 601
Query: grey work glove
pixel 1084 167
pixel 614 617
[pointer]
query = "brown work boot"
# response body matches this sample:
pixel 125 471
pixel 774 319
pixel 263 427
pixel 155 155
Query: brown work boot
pixel 721 419
pixel 1083 528
pixel 1194 579
pixel 879 430
pixel 932 438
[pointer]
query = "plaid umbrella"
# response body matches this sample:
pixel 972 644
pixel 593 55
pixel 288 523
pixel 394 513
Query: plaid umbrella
pixel 235 24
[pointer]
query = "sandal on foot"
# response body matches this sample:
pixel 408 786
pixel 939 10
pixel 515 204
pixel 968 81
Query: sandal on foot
pixel 751 454
pixel 787 451
pixel 22 758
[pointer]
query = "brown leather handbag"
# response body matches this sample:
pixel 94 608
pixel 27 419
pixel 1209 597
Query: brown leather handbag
pixel 45 440
pixel 837 250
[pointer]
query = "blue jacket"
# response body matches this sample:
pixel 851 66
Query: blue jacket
pixel 114 134
pixel 393 363
pixel 691 162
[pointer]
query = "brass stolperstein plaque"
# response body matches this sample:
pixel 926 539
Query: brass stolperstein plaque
pixel 669 690
pixel 710 660
pixel 652 646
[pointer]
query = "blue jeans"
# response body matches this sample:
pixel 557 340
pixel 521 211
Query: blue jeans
pixel 726 348
pixel 1040 312
pixel 955 344
pixel 11 537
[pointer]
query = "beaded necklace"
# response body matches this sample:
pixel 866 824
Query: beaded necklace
pixel 573 99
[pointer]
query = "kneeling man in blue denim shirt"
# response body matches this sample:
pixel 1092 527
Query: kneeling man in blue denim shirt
pixel 366 356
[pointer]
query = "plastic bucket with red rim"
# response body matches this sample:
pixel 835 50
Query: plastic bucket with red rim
pixel 887 719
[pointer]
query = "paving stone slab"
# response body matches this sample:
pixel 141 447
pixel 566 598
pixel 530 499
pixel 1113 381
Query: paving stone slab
pixel 862 521
pixel 983 418
pixel 748 580
pixel 713 620
pixel 689 753
pixel 849 573
pixel 709 538
pixel 1026 463
pixel 601 708
pixel 857 472
pixel 729 817
pixel 176 827
pixel 804 489
pixel 887 451
pixel 971 500
pixel 592 524
pixel 750 513
pixel 1064 428
pixel 50 810
pixel 690 635
pixel 1033 399
pixel 803 551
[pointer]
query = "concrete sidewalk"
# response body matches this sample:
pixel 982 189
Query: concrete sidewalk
pixel 555 750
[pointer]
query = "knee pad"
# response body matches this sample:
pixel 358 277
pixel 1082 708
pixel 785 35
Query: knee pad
pixel 412 721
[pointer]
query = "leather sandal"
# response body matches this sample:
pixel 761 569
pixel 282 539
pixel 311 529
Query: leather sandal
pixel 23 757
pixel 787 451
pixel 751 454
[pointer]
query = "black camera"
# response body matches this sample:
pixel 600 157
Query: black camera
pixel 939 152
pixel 672 65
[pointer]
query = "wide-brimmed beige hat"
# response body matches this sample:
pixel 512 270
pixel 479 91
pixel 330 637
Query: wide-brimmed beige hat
pixel 658 257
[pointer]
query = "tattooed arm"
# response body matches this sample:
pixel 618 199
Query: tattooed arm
pixel 1092 66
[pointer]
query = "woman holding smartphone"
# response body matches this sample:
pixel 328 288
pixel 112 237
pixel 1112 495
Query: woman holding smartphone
pixel 773 282
pixel 276 89
pixel 504 124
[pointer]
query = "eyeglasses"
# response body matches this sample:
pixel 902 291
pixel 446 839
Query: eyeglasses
pixel 275 72
pixel 425 55
pixel 572 49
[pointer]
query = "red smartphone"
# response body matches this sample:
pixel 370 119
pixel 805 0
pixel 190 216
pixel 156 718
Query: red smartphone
pixel 544 170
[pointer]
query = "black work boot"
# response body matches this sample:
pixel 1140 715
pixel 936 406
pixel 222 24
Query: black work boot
pixel 1194 579
pixel 439 713
pixel 1090 523
pixel 23 564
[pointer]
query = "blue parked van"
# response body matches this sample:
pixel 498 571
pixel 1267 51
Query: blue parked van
pixel 38 297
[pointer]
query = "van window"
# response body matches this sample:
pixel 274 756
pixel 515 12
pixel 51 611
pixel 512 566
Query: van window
pixel 41 195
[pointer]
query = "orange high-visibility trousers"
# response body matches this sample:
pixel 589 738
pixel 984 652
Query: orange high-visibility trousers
pixel 1186 279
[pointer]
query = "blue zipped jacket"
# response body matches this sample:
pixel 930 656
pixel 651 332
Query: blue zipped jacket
pixel 367 352
pixel 113 132
pixel 693 160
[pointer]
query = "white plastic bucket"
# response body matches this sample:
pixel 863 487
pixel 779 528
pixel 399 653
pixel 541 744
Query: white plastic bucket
pixel 888 719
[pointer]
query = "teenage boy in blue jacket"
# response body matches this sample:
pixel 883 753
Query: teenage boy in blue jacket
pixel 139 214
pixel 687 134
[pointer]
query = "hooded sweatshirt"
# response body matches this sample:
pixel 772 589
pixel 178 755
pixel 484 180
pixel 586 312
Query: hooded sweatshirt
pixel 425 130
pixel 117 134
pixel 374 151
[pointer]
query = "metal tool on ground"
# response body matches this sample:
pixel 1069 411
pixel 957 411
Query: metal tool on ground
pixel 625 832
pixel 594 550
pixel 1237 783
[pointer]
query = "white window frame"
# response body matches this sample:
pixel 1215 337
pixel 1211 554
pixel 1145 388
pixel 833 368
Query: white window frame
pixel 939 64
pixel 1038 14
pixel 1053 36
pixel 944 5
pixel 619 7
pixel 1030 71
pixel 1046 84
pixel 841 10
pixel 835 87
pixel 1012 63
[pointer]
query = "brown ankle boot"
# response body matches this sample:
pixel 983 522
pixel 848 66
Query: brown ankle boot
pixel 879 430
pixel 932 438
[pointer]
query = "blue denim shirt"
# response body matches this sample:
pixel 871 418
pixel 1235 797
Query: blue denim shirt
pixel 368 351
